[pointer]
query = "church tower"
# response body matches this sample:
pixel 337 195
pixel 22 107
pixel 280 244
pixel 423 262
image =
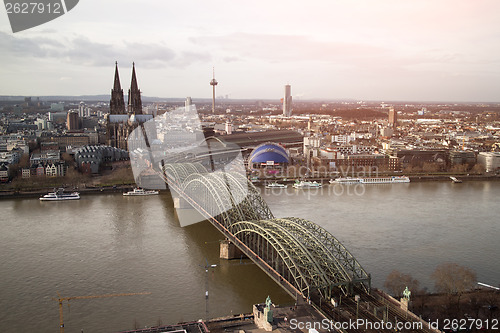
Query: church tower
pixel 117 103
pixel 134 95
pixel 121 122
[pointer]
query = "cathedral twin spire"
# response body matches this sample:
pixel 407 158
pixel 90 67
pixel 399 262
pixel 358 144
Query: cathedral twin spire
pixel 117 102
pixel 134 95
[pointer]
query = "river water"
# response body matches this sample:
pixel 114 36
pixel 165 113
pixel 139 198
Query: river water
pixel 106 244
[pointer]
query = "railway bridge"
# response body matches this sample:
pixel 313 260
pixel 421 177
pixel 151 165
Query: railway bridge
pixel 301 256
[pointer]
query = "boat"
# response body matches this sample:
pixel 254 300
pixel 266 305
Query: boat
pixel 276 185
pixel 306 185
pixel 385 180
pixel 371 180
pixel 59 195
pixel 455 179
pixel 140 191
pixel 346 180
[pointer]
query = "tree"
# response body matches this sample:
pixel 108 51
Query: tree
pixel 68 159
pixel 430 167
pixel 396 282
pixel 454 279
pixel 74 177
pixel 458 168
pixel 478 169
pixel 24 161
pixel 13 170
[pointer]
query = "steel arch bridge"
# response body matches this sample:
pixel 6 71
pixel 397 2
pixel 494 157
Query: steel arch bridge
pixel 298 254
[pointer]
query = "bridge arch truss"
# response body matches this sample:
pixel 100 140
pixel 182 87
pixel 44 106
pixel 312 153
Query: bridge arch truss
pixel 304 254
pixel 293 251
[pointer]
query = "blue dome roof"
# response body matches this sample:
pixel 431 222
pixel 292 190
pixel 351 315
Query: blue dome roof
pixel 269 152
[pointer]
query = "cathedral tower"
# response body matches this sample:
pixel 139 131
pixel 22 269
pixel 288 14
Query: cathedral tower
pixel 134 95
pixel 117 103
pixel 121 121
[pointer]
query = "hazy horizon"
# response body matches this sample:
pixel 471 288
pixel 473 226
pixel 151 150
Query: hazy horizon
pixel 220 99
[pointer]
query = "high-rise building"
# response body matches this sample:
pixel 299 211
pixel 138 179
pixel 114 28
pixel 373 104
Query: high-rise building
pixel 187 103
pixel 72 122
pixel 393 118
pixel 287 101
pixel 81 110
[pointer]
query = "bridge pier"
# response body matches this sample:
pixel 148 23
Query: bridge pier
pixel 181 203
pixel 230 251
pixel 185 213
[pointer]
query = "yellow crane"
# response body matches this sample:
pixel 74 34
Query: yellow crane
pixel 62 299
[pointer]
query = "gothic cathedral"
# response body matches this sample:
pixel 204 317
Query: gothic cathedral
pixel 121 121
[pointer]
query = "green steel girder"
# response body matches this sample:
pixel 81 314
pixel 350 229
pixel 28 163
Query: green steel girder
pixel 337 250
pixel 300 251
pixel 178 172
pixel 270 242
pixel 227 196
pixel 313 265
pixel 253 233
pixel 207 191
pixel 332 270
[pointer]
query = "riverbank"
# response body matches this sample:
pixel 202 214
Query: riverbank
pixel 413 178
pixel 481 305
pixel 12 194
pixel 97 189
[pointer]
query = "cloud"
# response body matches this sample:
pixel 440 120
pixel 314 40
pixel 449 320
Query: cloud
pixel 285 48
pixel 21 47
pixel 81 50
pixel 362 57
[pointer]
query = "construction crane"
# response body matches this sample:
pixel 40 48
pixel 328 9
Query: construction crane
pixel 62 299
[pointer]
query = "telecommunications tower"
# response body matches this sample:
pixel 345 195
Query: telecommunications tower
pixel 213 83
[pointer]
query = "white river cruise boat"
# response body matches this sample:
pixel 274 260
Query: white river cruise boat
pixel 276 185
pixel 371 180
pixel 306 185
pixel 140 192
pixel 59 195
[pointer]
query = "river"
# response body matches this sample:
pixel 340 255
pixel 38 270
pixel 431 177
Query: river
pixel 104 244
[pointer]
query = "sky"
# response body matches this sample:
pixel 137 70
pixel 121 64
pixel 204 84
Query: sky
pixel 384 50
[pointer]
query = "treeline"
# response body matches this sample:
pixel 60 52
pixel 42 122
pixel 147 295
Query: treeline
pixel 455 293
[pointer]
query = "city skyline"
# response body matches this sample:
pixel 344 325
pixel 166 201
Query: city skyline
pixel 391 51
